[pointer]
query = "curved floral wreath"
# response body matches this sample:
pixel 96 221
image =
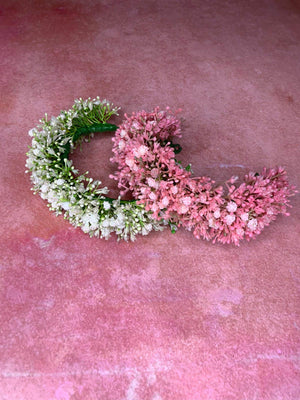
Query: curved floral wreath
pixel 82 199
pixel 147 166
pixel 165 192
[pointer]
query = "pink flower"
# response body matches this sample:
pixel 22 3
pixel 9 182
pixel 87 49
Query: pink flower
pixel 147 166
pixel 154 172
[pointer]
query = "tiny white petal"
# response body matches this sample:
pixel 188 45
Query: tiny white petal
pixel 186 201
pixel 217 214
pixel 252 224
pixel 121 144
pixel 106 205
pixel 231 206
pixel 229 219
pixel 244 217
pixel 65 205
pixel 165 201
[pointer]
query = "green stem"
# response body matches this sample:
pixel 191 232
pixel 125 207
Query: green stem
pixel 86 130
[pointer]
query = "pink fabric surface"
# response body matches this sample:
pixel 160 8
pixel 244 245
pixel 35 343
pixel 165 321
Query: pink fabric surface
pixel 167 317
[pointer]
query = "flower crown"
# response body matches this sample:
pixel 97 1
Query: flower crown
pixel 164 191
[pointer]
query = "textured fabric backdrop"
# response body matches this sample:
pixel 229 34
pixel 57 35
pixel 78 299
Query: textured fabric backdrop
pixel 167 317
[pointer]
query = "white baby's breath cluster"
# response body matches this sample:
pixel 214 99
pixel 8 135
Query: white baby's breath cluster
pixel 81 199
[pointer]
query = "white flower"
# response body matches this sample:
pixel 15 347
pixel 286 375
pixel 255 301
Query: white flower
pixel 121 145
pixel 146 229
pixel 53 121
pixel 29 163
pixel 59 182
pixel 45 187
pixel 152 183
pixel 174 189
pixel 165 201
pixel 91 220
pixel 85 228
pixel 123 133
pixel 229 219
pixel 120 216
pixel 231 206
pixel 65 205
pixel 31 132
pixel 217 214
pixel 106 205
pixel 186 201
pixel 152 196
pixel 52 196
pixel 135 125
pixel 212 223
pixel 183 209
pixel 244 217
pixel 252 224
pixel 105 223
pixel 130 162
pixel 141 151
pixel 113 222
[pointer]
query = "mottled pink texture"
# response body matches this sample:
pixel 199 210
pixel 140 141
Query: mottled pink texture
pixel 167 317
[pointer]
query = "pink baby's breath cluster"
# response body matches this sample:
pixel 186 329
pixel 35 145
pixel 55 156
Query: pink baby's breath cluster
pixel 147 166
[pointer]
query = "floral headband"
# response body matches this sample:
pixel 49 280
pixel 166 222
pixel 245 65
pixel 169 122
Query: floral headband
pixel 165 193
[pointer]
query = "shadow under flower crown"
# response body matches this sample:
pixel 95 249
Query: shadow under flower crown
pixel 147 166
pixel 164 191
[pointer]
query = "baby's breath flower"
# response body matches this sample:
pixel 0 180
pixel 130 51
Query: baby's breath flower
pixel 81 198
pixel 106 205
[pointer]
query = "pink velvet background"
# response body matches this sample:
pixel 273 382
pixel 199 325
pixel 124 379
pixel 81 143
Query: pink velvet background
pixel 167 317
